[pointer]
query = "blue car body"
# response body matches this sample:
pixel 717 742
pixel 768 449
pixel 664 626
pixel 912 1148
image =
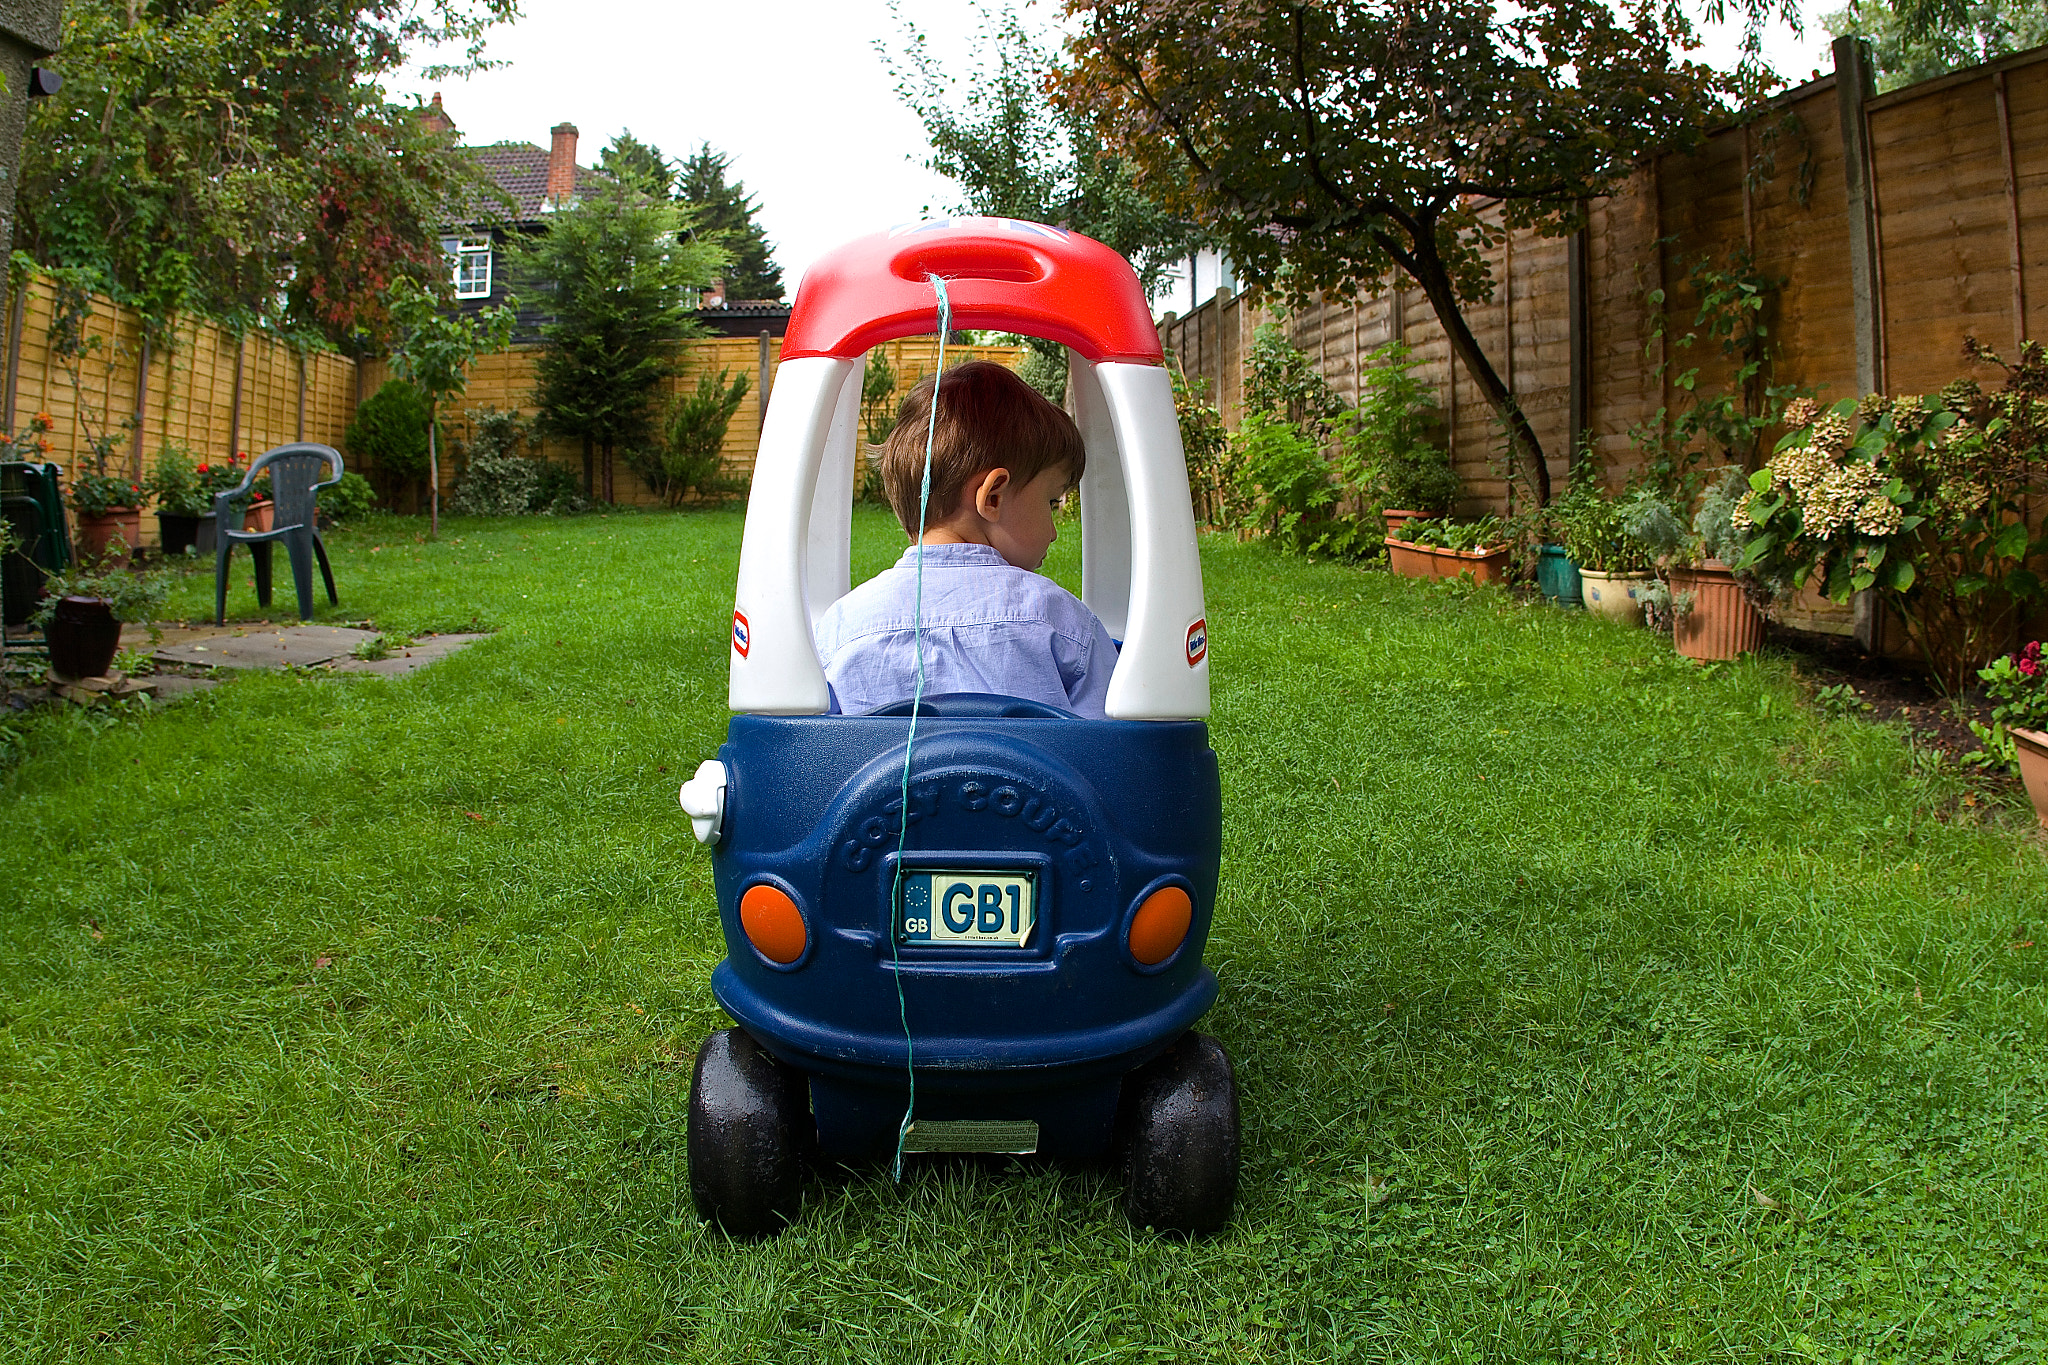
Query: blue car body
pixel 1097 814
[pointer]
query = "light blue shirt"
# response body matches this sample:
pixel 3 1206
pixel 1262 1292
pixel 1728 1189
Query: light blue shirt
pixel 989 626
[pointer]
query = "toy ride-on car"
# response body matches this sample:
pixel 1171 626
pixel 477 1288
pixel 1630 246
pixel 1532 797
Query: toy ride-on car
pixel 1035 951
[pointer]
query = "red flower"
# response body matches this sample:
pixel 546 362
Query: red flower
pixel 2029 667
pixel 202 469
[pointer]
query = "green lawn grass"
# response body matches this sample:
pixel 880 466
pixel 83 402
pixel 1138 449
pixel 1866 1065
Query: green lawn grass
pixel 1585 1004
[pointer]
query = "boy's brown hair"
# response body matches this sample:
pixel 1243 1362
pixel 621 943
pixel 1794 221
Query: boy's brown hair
pixel 988 419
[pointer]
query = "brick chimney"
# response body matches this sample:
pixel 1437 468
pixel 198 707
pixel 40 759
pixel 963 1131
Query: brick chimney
pixel 436 118
pixel 562 165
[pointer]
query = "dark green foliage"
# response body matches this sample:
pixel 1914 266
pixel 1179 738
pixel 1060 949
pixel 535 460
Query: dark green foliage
pixel 1281 381
pixel 723 216
pixel 350 500
pixel 638 165
pixel 615 270
pixel 878 396
pixel 239 158
pixel 692 438
pixel 1016 154
pixel 1330 145
pixel 498 477
pixel 1390 439
pixel 389 434
pixel 1586 1005
pixel 1919 40
pixel 1203 444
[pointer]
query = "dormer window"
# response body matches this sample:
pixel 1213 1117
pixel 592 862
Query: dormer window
pixel 469 264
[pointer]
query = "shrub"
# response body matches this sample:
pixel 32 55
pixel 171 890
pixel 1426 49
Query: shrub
pixel 1280 381
pixel 1046 371
pixel 389 433
pixel 1203 442
pixel 558 492
pixel 176 484
pixel 1919 499
pixel 349 500
pixel 692 437
pixel 1388 456
pixel 498 478
pixel 1288 492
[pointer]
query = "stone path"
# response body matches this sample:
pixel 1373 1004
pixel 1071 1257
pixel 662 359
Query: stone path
pixel 268 646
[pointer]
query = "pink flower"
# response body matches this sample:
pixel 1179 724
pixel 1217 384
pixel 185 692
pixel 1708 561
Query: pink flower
pixel 2029 667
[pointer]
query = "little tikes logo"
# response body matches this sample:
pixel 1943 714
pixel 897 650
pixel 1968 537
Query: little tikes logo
pixel 741 636
pixel 1198 642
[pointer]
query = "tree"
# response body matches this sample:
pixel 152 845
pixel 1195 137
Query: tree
pixel 692 443
pixel 1016 154
pixel 638 164
pixel 1918 41
pixel 239 157
pixel 389 435
pixel 615 268
pixel 432 350
pixel 1328 143
pixel 724 218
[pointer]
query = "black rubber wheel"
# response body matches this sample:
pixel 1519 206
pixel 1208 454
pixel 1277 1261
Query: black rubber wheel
pixel 750 1117
pixel 1178 1138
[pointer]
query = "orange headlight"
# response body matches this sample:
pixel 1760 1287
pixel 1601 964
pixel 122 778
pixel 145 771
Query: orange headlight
pixel 773 923
pixel 1160 925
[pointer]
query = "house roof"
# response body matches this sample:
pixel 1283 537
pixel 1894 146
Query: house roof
pixel 520 169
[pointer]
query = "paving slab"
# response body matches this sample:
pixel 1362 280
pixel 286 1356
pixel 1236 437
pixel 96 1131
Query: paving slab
pixel 265 647
pixel 418 654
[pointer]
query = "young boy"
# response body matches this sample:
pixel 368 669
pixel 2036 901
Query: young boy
pixel 1002 458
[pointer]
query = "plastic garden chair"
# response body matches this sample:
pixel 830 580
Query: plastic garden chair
pixel 294 485
pixel 32 501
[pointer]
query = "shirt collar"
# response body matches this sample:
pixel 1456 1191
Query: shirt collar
pixel 952 555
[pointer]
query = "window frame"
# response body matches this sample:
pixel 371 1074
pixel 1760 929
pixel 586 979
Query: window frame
pixel 461 253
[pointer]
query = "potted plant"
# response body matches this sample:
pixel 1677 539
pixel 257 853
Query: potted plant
pixel 2018 733
pixel 1441 548
pixel 1614 566
pixel 1718 619
pixel 109 509
pixel 1387 442
pixel 183 493
pixel 81 618
pixel 1557 576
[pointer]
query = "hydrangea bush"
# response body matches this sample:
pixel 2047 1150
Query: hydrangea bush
pixel 1920 499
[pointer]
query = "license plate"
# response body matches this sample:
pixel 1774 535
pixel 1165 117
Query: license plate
pixel 998 909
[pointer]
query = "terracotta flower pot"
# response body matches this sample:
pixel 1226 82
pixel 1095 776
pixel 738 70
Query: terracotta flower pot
pixel 1722 622
pixel 83 637
pixel 1397 518
pixel 2033 752
pixel 1429 561
pixel 260 516
pixel 1616 596
pixel 96 533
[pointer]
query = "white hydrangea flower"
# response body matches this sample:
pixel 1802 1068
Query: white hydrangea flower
pixel 1878 516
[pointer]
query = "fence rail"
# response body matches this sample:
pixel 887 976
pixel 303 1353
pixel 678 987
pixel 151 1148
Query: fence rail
pixel 114 396
pixel 1900 224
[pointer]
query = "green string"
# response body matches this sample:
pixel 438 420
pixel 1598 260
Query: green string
pixel 924 499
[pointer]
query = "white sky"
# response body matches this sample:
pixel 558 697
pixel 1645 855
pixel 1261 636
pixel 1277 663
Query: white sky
pixel 793 90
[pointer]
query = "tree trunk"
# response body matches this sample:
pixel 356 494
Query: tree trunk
pixel 589 469
pixel 433 473
pixel 1427 269
pixel 608 473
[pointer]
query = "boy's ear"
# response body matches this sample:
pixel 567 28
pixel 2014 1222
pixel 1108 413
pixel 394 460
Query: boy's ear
pixel 989 492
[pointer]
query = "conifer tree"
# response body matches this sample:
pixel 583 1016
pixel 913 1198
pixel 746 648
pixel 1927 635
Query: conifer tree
pixel 613 271
pixel 725 218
